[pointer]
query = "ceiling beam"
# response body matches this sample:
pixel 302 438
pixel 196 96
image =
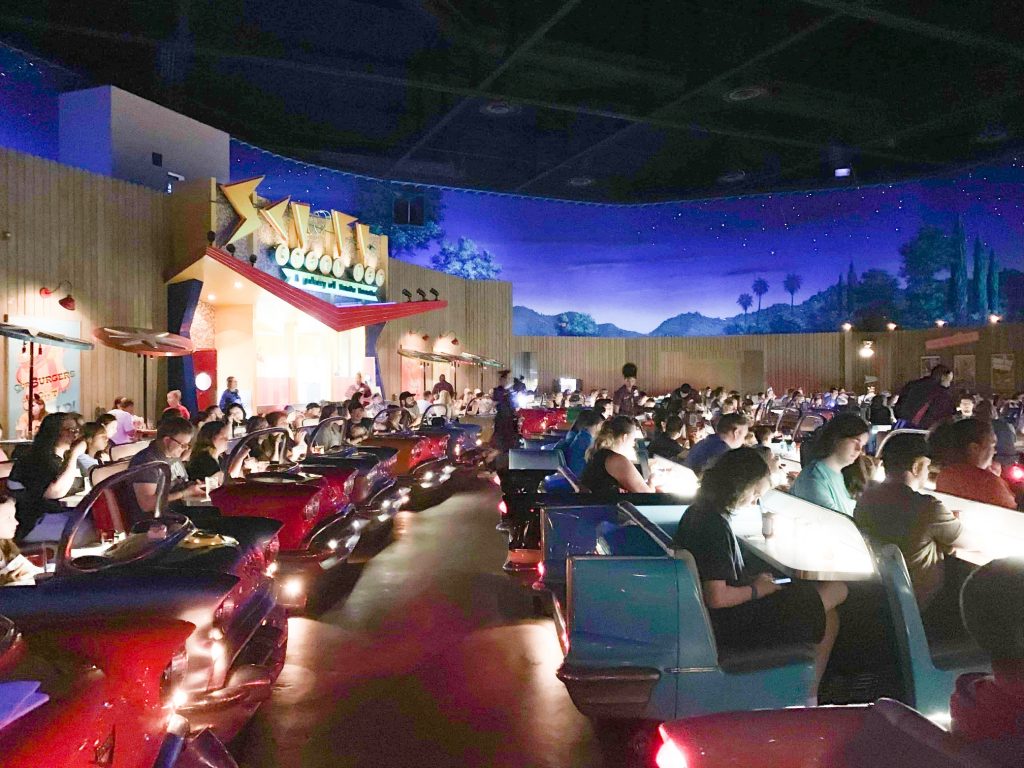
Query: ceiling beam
pixel 683 98
pixel 923 28
pixel 538 34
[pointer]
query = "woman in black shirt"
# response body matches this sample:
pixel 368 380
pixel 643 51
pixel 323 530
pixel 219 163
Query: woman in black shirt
pixel 210 444
pixel 610 459
pixel 749 609
pixel 48 471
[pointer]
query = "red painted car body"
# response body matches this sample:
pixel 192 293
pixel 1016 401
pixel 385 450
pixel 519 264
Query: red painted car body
pixel 887 734
pixel 413 450
pixel 534 422
pixel 106 705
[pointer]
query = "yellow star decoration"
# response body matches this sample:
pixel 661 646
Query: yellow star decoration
pixel 339 223
pixel 300 221
pixel 239 194
pixel 274 216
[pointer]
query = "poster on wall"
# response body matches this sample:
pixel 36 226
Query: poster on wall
pixel 57 373
pixel 1002 374
pixel 928 362
pixel 964 376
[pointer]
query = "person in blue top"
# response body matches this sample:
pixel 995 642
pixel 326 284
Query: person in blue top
pixel 838 445
pixel 580 437
pixel 730 433
pixel 230 395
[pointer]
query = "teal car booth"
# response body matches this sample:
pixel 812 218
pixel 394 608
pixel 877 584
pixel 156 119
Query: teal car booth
pixel 637 637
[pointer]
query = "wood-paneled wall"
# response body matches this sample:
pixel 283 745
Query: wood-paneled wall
pixel 110 239
pixel 479 313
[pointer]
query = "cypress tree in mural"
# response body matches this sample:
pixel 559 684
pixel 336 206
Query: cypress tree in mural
pixel 995 303
pixel 792 284
pixel 979 283
pixel 841 296
pixel 746 301
pixel 760 288
pixel 958 282
pixel 851 290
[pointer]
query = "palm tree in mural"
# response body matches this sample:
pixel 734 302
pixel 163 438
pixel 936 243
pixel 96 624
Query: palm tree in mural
pixel 746 301
pixel 760 288
pixel 792 284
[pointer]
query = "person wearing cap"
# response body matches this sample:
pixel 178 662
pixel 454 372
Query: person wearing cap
pixel 625 397
pixel 410 411
pixel 896 512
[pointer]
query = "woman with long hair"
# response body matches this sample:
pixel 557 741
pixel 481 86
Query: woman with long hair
pixel 210 444
pixel 48 471
pixel 96 442
pixel 838 445
pixel 577 442
pixel 749 609
pixel 610 459
pixel 235 418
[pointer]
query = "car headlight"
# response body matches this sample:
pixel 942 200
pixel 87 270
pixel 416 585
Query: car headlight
pixel 293 587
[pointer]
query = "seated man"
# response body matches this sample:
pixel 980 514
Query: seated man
pixel 965 449
pixel 990 708
pixel 729 434
pixel 666 444
pixel 311 416
pixel 896 512
pixel 171 444
pixel 410 410
pixel 14 568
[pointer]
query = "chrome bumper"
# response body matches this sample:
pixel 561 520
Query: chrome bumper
pixel 618 692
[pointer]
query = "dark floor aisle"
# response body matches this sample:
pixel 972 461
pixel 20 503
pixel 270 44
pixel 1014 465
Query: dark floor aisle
pixel 433 659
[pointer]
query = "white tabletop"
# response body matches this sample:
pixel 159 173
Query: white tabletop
pixel 1001 530
pixel 809 542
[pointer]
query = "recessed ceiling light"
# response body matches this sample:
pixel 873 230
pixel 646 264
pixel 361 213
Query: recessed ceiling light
pixel 499 108
pixel 581 181
pixel 211 297
pixel 746 93
pixel 732 177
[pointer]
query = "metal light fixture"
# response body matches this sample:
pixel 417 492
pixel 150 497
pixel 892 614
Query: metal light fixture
pixel 68 302
pixel 847 326
pixel 867 349
pixel 891 326
pixel 940 322
pixel 994 318
pixel 434 293
pixel 422 294
pixel 408 296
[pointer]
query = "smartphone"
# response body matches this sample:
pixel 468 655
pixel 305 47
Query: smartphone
pixel 783 580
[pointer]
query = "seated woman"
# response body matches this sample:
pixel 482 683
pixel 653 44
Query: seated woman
pixel 13 567
pixel 839 444
pixel 393 422
pixel 577 442
pixel 95 453
pixel 332 435
pixel 288 448
pixel 210 444
pixel 964 450
pixel 610 459
pixel 1006 448
pixel 234 417
pixel 749 609
pixel 879 411
pixel 48 471
pixel 357 433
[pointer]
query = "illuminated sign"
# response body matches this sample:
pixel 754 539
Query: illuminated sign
pixel 325 251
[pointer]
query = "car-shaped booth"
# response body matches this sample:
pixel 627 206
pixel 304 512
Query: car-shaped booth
pixel 887 734
pixel 87 690
pixel 465 441
pixel 320 524
pixel 420 459
pixel 638 642
pixel 112 555
pixel 536 422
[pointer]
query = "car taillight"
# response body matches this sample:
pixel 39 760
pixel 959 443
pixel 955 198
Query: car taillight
pixel 1016 473
pixel 541 569
pixel 312 507
pixel 503 507
pixel 669 754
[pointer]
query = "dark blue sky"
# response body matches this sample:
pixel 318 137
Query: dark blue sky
pixel 635 266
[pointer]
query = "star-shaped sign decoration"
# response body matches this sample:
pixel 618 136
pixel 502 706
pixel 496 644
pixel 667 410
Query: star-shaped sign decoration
pixel 144 341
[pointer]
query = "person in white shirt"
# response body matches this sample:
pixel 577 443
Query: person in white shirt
pixel 123 412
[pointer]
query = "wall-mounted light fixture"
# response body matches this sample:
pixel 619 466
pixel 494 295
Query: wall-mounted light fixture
pixel 867 349
pixel 994 318
pixel 408 296
pixel 68 302
pixel 422 294
pixel 847 326
pixel 940 322
pixel 891 326
pixel 434 293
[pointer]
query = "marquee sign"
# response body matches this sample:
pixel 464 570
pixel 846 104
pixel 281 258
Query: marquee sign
pixel 324 251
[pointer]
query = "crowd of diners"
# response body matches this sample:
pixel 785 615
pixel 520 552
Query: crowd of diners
pixel 65 448
pixel 728 441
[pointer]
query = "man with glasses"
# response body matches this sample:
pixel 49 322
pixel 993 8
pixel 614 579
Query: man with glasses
pixel 170 446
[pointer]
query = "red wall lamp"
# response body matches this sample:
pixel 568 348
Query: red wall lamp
pixel 68 302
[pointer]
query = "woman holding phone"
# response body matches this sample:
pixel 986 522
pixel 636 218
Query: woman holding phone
pixel 748 609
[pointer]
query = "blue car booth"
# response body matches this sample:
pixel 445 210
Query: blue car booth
pixel 929 668
pixel 637 637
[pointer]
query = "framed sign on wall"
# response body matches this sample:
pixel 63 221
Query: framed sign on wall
pixel 1002 374
pixel 964 374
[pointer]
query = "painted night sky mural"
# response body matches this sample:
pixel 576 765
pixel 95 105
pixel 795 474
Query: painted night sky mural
pixel 910 253
pixel 681 268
